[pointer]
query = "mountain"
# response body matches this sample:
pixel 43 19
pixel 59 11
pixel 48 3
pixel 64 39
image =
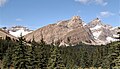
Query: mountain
pixel 72 31
pixel 17 30
pixel 3 34
pixel 69 32
pixel 103 33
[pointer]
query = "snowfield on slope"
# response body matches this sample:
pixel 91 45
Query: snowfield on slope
pixel 96 27
pixel 17 33
pixel 97 34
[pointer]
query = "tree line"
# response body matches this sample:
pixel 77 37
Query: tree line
pixel 20 54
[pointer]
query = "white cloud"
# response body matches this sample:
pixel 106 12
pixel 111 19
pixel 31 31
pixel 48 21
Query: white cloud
pixel 82 1
pixel 99 2
pixel 2 2
pixel 19 19
pixel 105 14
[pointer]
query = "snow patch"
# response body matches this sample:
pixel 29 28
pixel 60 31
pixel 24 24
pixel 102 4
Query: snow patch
pixel 97 34
pixel 17 33
pixel 109 39
pixel 96 27
pixel 115 35
pixel 84 24
pixel 113 28
pixel 99 42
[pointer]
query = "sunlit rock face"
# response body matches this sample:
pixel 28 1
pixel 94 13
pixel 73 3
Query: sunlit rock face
pixel 4 34
pixel 75 31
pixel 103 33
pixel 65 32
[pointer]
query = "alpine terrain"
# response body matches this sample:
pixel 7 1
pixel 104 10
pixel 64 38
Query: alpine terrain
pixel 3 34
pixel 75 31
pixel 69 32
pixel 17 30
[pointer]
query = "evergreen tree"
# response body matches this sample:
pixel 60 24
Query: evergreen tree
pixel 113 55
pixel 118 34
pixel 85 60
pixel 33 54
pixel 116 59
pixel 20 55
pixel 55 60
pixel 40 54
pixel 7 60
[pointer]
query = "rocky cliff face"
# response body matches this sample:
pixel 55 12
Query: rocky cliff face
pixel 67 32
pixel 3 34
pixel 103 33
pixel 64 32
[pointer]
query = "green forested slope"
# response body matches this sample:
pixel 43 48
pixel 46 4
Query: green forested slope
pixel 20 54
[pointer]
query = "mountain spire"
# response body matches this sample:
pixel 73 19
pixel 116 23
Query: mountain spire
pixel 75 21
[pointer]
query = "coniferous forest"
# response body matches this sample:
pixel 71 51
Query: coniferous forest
pixel 19 54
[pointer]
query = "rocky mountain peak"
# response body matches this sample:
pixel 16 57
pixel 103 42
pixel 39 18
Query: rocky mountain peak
pixel 75 21
pixel 18 27
pixel 95 22
pixel 75 18
pixel 17 30
pixel 65 32
pixel 102 32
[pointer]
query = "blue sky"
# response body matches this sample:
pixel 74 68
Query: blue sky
pixel 37 13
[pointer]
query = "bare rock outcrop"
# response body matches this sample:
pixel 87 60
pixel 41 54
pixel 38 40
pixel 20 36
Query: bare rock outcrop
pixel 3 34
pixel 64 32
pixel 103 33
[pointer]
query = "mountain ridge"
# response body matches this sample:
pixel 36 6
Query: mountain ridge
pixel 70 32
pixel 63 31
pixel 75 30
pixel 4 34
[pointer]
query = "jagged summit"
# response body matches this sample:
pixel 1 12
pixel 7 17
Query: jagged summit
pixel 101 31
pixel 75 18
pixel 95 22
pixel 72 31
pixel 72 23
pixel 18 26
pixel 64 32
pixel 75 22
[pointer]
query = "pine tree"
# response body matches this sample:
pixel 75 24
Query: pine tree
pixel 85 60
pixel 42 55
pixel 7 60
pixel 116 60
pixel 118 34
pixel 117 63
pixel 20 55
pixel 33 54
pixel 112 58
pixel 105 58
pixel 55 60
